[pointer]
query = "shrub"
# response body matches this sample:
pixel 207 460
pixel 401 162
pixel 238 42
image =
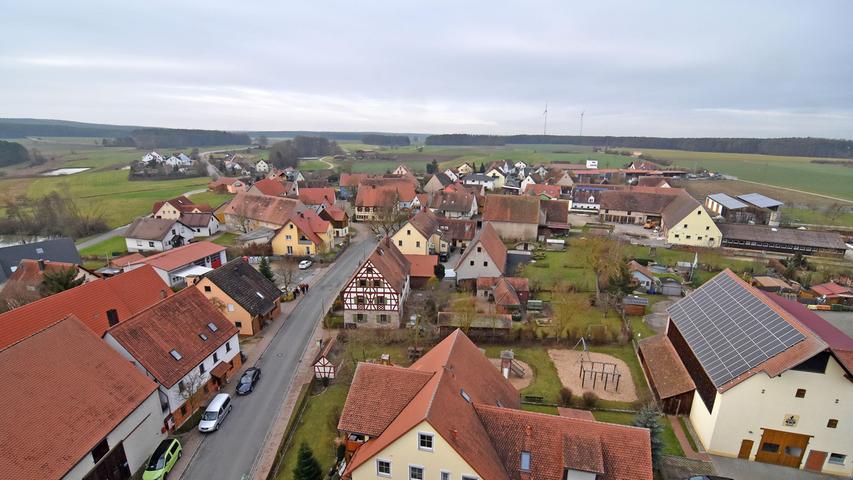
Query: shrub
pixel 565 397
pixel 590 399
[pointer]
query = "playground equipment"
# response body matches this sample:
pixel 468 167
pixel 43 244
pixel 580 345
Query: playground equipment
pixel 605 371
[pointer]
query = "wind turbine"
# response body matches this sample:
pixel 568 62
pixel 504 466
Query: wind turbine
pixel 581 130
pixel 545 115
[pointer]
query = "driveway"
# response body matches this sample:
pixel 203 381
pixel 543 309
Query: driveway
pixel 748 470
pixel 657 319
pixel 232 452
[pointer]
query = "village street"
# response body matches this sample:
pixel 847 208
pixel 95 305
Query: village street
pixel 232 452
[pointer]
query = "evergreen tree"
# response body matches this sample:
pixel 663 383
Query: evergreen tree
pixel 648 418
pixel 59 281
pixel 307 467
pixel 430 168
pixel 265 269
pixel 482 167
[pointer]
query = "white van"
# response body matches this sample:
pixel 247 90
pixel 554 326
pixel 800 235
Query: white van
pixel 215 413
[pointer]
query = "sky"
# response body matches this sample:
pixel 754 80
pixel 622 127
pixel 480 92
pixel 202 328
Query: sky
pixel 653 68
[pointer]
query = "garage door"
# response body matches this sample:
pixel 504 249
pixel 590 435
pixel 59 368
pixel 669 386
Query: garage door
pixel 782 448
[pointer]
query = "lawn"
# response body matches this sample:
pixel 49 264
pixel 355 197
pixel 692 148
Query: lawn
pixel 226 239
pixel 213 199
pixel 546 383
pixel 309 165
pixel 111 247
pixel 670 442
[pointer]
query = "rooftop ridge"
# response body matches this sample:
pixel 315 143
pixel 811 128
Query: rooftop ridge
pixel 46 327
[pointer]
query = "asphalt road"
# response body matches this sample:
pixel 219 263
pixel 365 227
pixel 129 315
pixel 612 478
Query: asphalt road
pixel 231 452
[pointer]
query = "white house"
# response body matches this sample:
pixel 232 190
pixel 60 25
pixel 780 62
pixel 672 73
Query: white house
pixel 497 176
pixel 152 157
pixel 771 379
pixel 149 234
pixel 185 344
pixel 484 257
pixel 202 224
pixel 179 160
pixel 262 166
pixel 176 265
pixel 96 415
pixel 480 179
pixel 451 174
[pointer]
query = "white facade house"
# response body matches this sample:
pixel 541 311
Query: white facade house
pixel 175 265
pixel 179 160
pixel 156 235
pixel 485 256
pixel 262 166
pixel 451 174
pixel 152 157
pixel 497 176
pixel 202 224
pixel 528 180
pixel 480 179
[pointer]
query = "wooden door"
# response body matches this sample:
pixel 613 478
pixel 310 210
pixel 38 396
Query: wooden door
pixel 745 449
pixel 815 461
pixel 782 448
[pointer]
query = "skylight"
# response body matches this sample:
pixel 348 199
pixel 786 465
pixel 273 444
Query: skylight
pixel 202 336
pixel 175 355
pixel 259 294
pixel 465 395
pixel 212 327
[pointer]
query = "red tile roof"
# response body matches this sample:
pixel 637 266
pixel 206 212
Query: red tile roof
pixel 831 289
pixel 422 266
pixel 317 196
pixel 64 391
pixel 310 224
pixel 668 375
pixel 351 180
pixel 426 223
pixel 23 285
pixel 263 208
pixel 459 202
pixel 127 293
pixel 126 260
pixel 384 194
pixel 511 208
pixel 271 187
pixel 551 191
pixel 183 205
pixel 180 256
pixel 174 324
pixel 391 264
pixel 335 213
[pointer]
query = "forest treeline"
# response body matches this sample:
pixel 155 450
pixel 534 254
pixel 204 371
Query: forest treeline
pixel 12 153
pixel 288 152
pixel 173 138
pixel 386 140
pixel 799 147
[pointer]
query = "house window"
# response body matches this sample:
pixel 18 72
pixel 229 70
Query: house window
pixel 100 450
pixel 832 423
pixel 445 475
pixel 182 387
pixel 707 228
pixel 416 473
pixel 525 461
pixel 201 368
pixel 230 307
pixel 468 477
pixel 801 393
pixel 770 447
pixel 215 357
pixel 288 237
pixel 687 236
pixel 362 283
pixel 479 248
pixel 399 243
pixel 425 441
pixel 383 318
pixel 238 324
pixel 359 299
pixel 698 237
pixel 408 232
pixel 471 263
pixel 377 283
pixel 383 468
pixel 228 343
pixel 837 458
pixel 151 244
pixel 418 244
pixel 485 264
pixel 685 225
pixel 360 318
pixel 139 243
pixel 380 300
pixel 207 288
pixel 676 235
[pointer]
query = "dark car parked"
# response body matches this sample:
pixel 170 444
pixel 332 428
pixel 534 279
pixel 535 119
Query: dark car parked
pixel 248 381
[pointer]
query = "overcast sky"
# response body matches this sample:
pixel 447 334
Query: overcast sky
pixel 679 68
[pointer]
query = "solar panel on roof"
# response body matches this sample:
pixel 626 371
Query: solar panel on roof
pixel 729 329
pixel 760 200
pixel 727 201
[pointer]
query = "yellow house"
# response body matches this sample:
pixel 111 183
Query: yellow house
pixel 303 235
pixel 499 179
pixel 686 222
pixel 242 294
pixel 421 235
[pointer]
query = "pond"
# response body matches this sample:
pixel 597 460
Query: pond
pixel 65 171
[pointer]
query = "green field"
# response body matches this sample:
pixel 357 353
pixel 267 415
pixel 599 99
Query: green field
pixel 112 246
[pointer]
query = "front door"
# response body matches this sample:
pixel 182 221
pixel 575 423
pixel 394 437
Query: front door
pixel 815 461
pixel 745 449
pixel 782 448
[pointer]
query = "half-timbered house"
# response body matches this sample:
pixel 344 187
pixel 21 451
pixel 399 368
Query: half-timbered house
pixel 374 296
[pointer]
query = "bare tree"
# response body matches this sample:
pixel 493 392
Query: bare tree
pixel 834 211
pixel 606 257
pixel 388 217
pixel 285 270
pixel 465 309
pixel 566 307
pixel 189 389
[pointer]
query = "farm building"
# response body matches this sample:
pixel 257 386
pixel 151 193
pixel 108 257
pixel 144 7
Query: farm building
pixel 751 208
pixel 671 384
pixel 785 240
pixel 634 305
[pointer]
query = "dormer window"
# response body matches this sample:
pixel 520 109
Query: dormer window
pixel 525 462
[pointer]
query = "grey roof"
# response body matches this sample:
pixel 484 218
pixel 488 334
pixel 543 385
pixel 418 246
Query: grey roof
pixel 760 200
pixel 479 177
pixel 729 202
pixel 58 250
pixel 259 233
pixel 147 228
pixel 730 329
pixel 246 286
pixel 789 236
pixel 634 300
pixel 196 219
pixel 443 178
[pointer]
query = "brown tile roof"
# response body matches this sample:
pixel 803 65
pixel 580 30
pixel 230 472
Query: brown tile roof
pixel 126 260
pixel 422 266
pixel 390 263
pixel 511 208
pixel 384 194
pixel 650 181
pixel 505 294
pixel 668 374
pixel 632 201
pixel 575 413
pixel 310 224
pixel 64 391
pixel 317 196
pixel 489 239
pixel 196 219
pixel 790 236
pixel 457 228
pixel 362 413
pixel 771 282
pixel 271 187
pixel 272 210
pixel 351 180
pixel 460 202
pixel 455 364
pixel 681 206
pixel 552 191
pixel 614 452
pixel 24 283
pixel 183 205
pixel 334 213
pixel 425 222
pixel 556 211
pixel 174 324
pixel 180 256
pixel 223 181
pixel 148 228
pixel 128 293
pixel 830 289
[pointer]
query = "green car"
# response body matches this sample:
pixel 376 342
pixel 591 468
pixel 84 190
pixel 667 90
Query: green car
pixel 163 459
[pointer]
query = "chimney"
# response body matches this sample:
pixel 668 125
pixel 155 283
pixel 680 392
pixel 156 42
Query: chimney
pixel 41 264
pixel 453 433
pixel 528 431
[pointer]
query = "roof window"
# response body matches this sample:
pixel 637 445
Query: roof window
pixel 212 327
pixel 202 336
pixel 176 355
pixel 465 395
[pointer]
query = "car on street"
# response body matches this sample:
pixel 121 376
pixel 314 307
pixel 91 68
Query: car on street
pixel 248 380
pixel 305 264
pixel 708 477
pixel 215 413
pixel 163 459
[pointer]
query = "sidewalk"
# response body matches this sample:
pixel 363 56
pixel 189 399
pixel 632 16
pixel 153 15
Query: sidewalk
pixel 254 350
pixel 681 435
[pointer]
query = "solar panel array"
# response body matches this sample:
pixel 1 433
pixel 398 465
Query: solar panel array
pixel 729 329
pixel 760 200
